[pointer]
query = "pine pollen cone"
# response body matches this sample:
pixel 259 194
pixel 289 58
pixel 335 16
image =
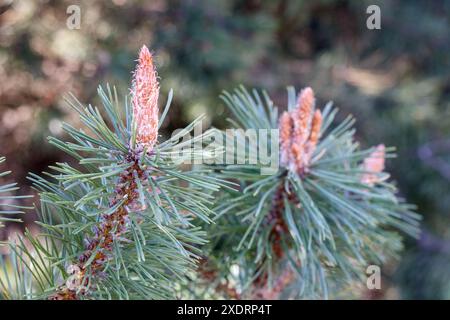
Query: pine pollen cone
pixel 145 92
pixel 300 133
pixel 374 165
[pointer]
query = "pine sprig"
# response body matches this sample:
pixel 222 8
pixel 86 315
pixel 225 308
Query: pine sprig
pixel 119 224
pixel 147 198
pixel 127 219
pixel 317 226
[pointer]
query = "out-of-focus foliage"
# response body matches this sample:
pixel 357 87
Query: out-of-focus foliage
pixel 394 80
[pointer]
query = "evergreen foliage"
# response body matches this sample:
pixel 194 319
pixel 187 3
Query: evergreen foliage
pixel 16 281
pixel 396 89
pixel 116 224
pixel 128 220
pixel 7 207
pixel 302 235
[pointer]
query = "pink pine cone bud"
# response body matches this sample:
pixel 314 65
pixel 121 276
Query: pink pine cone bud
pixel 300 133
pixel 285 125
pixel 145 92
pixel 374 165
pixel 302 115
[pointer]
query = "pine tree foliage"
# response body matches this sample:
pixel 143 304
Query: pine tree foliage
pixel 303 232
pixel 117 223
pixel 8 206
pixel 127 219
pixel 11 264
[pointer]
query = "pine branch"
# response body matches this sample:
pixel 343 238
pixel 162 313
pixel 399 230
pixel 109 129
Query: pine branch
pixel 121 223
pixel 317 223
pixel 112 227
pixel 125 222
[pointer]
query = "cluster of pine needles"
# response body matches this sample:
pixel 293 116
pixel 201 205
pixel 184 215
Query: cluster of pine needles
pixel 124 220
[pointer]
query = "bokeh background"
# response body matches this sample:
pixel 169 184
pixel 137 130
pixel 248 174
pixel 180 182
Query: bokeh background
pixel 395 81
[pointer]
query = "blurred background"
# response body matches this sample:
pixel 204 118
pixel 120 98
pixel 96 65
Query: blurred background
pixel 395 81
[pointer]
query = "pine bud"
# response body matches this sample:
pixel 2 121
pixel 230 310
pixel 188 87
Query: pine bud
pixel 285 125
pixel 300 133
pixel 303 114
pixel 314 136
pixel 374 165
pixel 145 92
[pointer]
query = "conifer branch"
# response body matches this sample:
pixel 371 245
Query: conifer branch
pixel 317 223
pixel 125 222
pixel 119 224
